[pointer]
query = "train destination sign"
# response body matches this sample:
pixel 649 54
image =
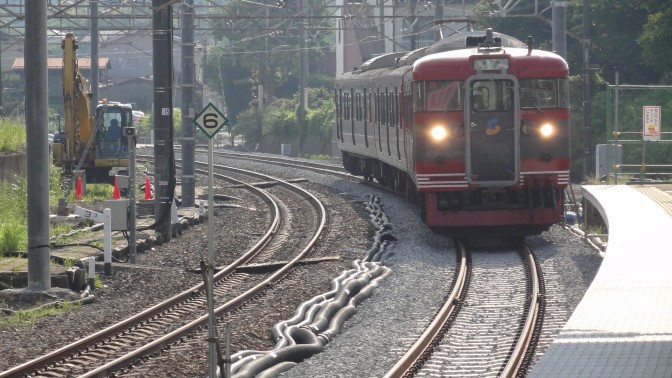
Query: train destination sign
pixel 210 120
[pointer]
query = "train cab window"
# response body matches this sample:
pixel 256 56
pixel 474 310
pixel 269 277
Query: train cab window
pixel 437 95
pixel 419 96
pixel 544 93
pixel 492 95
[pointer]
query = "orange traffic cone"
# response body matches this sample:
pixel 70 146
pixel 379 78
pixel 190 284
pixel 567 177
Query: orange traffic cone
pixel 148 189
pixel 115 191
pixel 78 189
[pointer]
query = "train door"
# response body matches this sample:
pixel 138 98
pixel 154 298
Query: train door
pixel 397 119
pixel 367 113
pixel 339 115
pixel 409 126
pixel 379 118
pixel 493 150
pixel 352 113
pixel 388 119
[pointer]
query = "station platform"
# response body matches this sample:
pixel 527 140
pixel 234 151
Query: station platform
pixel 623 325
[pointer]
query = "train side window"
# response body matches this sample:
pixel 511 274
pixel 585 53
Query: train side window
pixel 443 95
pixel 563 92
pixel 358 106
pixel 419 99
pixel 395 109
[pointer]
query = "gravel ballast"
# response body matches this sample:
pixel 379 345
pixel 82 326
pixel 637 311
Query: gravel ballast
pixel 422 265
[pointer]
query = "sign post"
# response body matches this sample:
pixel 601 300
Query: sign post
pixel 210 120
pixel 106 219
pixel 650 132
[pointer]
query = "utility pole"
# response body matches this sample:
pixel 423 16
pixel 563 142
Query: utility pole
pixel 303 68
pixel 164 179
pixel 95 70
pixel 414 24
pixel 188 85
pixel 587 127
pixel 560 28
pixel 438 15
pixel 37 161
pixel 2 87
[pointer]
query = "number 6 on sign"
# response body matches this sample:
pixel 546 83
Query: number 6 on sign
pixel 210 120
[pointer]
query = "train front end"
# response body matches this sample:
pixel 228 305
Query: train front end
pixel 491 138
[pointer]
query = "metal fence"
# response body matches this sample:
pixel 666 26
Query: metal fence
pixel 639 132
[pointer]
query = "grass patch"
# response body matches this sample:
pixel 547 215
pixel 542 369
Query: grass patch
pixel 316 156
pixel 29 317
pixel 97 282
pixel 14 211
pixel 12 135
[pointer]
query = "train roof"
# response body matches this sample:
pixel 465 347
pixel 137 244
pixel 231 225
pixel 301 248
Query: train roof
pixel 458 48
pixel 382 61
pixel 468 39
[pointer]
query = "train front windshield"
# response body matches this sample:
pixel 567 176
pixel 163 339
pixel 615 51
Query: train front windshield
pixel 544 93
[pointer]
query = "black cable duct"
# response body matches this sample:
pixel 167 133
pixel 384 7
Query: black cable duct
pixel 318 320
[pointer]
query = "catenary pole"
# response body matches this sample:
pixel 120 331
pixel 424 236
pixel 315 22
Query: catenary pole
pixel 560 28
pixel 188 86
pixel 164 179
pixel 587 128
pixel 37 142
pixel 95 70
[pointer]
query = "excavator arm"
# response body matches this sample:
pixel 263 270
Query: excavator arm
pixel 78 117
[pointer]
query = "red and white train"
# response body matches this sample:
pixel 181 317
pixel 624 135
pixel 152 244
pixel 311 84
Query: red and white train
pixel 474 127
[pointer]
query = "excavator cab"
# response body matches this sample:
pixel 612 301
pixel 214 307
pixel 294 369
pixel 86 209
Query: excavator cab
pixel 112 119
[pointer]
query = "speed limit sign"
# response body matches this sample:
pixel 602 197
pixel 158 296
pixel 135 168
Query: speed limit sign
pixel 210 120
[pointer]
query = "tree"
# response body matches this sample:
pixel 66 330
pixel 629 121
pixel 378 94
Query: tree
pixel 265 38
pixel 655 36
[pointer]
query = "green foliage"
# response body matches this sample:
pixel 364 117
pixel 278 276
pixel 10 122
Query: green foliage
pixel 13 236
pixel 12 134
pixel 321 114
pixel 13 214
pixel 631 101
pixel 245 44
pixel 657 33
pixel 316 157
pixel 628 36
pixel 14 210
pixel 280 118
pixel 145 124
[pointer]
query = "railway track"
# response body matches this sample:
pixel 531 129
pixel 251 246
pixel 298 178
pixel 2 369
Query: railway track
pixel 475 332
pixel 177 319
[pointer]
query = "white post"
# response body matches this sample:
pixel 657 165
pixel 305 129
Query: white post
pixel 107 240
pixel 212 322
pixel 92 271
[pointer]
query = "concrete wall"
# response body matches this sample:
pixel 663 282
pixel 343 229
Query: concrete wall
pixel 312 145
pixel 11 164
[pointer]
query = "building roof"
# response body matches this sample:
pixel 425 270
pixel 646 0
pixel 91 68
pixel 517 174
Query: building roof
pixel 57 63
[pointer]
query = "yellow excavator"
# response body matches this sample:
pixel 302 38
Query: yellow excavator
pixel 91 142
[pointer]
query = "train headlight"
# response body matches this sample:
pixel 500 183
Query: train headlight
pixel 439 133
pixel 546 130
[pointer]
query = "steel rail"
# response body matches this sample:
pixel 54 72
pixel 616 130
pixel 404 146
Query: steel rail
pixel 412 357
pixel 513 365
pixel 70 349
pixel 163 342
